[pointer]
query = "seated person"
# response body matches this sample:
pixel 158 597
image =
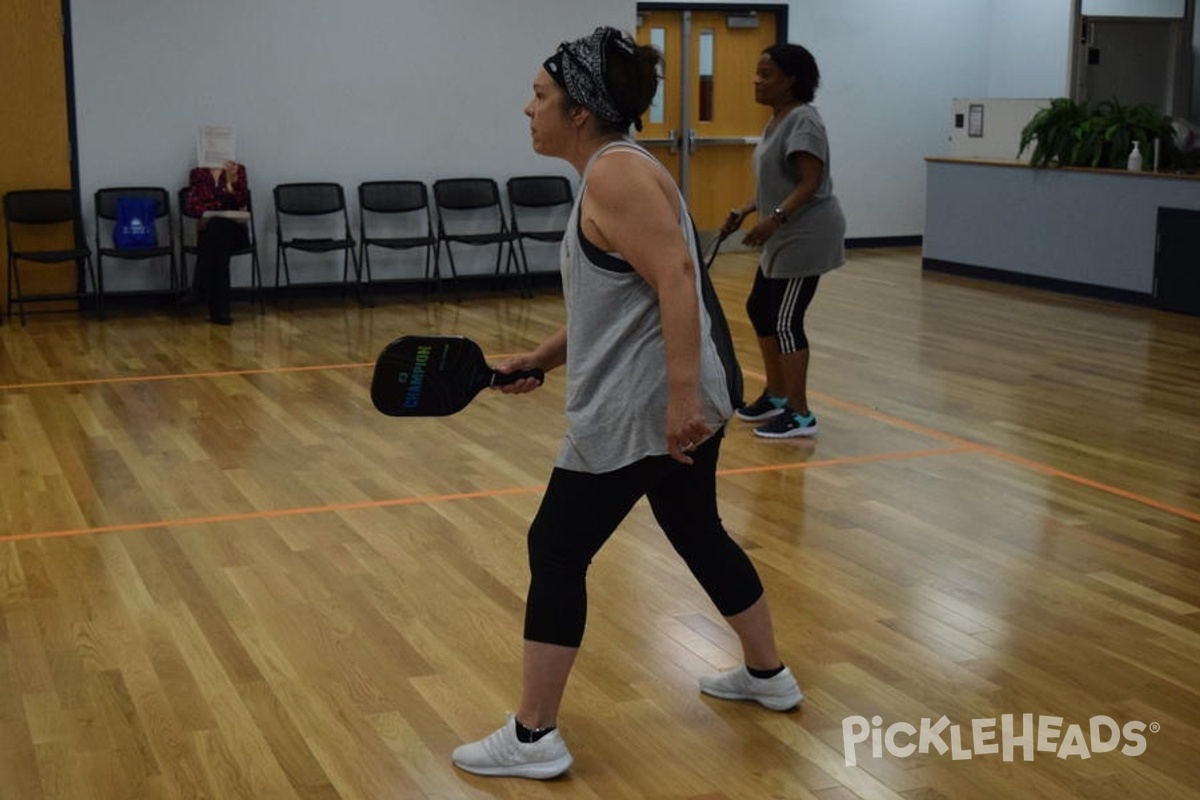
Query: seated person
pixel 213 193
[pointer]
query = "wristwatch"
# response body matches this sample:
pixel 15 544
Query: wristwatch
pixel 779 215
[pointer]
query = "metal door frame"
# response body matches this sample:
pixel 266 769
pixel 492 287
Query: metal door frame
pixel 685 133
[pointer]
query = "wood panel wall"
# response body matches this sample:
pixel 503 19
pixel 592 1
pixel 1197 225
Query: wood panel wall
pixel 33 115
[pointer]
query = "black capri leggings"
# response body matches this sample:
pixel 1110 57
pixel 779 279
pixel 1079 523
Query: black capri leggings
pixel 776 307
pixel 580 511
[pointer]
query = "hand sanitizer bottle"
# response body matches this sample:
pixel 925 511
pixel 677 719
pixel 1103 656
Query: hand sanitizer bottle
pixel 1135 159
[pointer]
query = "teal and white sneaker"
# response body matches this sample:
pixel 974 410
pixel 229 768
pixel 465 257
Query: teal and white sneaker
pixel 787 425
pixel 765 407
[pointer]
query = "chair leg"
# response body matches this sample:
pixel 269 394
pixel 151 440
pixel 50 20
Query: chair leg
pixel 522 266
pixel 256 287
pixel 363 291
pixel 11 267
pixel 90 273
pixel 499 258
pixel 364 258
pixel 453 273
pixel 437 271
pixel 281 255
pixel 434 276
pixel 19 297
pixel 100 285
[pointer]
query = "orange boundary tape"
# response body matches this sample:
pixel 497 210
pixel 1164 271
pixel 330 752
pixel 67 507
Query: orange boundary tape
pixel 956 445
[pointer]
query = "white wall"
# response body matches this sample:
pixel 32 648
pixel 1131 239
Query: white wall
pixel 366 89
pixel 345 91
pixel 889 74
pixel 1029 52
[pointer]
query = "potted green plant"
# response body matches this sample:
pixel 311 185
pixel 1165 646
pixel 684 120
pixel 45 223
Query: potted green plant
pixel 1071 134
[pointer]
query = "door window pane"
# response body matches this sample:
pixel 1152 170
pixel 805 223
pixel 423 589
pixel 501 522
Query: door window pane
pixel 658 39
pixel 706 75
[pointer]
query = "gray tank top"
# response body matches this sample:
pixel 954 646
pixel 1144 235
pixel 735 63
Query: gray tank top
pixel 616 359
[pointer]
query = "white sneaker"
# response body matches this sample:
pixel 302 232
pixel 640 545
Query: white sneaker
pixel 502 755
pixel 778 693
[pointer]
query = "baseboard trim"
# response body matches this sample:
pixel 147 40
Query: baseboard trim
pixel 865 242
pixel 1039 282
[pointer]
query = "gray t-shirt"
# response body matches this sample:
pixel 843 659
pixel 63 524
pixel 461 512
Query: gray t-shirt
pixel 616 358
pixel 812 241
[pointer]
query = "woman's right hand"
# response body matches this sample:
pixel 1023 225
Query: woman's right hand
pixel 522 361
pixel 733 221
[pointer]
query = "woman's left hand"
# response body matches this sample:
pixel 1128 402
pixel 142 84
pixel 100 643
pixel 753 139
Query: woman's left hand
pixel 759 234
pixel 686 429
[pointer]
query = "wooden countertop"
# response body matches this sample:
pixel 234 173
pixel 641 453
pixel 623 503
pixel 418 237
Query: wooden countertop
pixel 1001 162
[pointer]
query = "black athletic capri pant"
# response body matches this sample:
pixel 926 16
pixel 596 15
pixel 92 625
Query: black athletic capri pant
pixel 581 510
pixel 776 307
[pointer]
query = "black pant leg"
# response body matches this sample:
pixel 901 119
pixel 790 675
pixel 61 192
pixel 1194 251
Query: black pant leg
pixel 217 242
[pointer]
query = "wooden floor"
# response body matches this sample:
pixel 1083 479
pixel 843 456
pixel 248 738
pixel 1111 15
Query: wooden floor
pixel 223 575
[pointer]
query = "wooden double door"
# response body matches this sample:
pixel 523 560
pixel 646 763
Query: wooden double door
pixel 704 123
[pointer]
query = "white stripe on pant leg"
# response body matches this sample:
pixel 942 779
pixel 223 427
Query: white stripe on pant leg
pixel 787 310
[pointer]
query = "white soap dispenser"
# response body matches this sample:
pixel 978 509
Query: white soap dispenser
pixel 1135 159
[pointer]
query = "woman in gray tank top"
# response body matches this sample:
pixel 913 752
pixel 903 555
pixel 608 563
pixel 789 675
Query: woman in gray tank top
pixel 650 376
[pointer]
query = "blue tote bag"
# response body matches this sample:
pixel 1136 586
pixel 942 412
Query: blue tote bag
pixel 135 228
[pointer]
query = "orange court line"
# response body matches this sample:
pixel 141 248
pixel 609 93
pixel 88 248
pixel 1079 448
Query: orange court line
pixel 439 498
pixel 967 445
pixel 273 514
pixel 960 446
pixel 896 422
pixel 1046 469
pixel 870 458
pixel 180 376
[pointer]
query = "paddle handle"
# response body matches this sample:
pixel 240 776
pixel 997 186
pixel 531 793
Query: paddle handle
pixel 503 378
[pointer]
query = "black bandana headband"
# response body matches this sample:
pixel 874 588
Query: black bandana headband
pixel 579 68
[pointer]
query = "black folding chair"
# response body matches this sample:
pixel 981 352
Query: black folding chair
pixel 395 215
pixel 539 207
pixel 107 201
pixel 322 203
pixel 469 213
pixel 30 218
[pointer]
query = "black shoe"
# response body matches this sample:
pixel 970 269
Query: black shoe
pixel 788 425
pixel 765 407
pixel 220 319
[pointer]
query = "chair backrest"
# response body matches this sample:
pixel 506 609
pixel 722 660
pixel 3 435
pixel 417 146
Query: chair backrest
pixel 309 199
pixel 392 197
pixel 40 206
pixel 315 210
pixel 464 194
pixel 43 208
pixel 469 205
pixel 395 210
pixel 106 200
pixel 539 191
pixel 105 206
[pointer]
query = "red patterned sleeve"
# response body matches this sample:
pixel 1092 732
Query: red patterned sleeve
pixel 202 192
pixel 206 194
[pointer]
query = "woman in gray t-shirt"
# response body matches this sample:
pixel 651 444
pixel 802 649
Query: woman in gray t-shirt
pixel 800 230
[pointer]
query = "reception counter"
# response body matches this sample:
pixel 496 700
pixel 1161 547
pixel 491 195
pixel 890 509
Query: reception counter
pixel 1087 230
